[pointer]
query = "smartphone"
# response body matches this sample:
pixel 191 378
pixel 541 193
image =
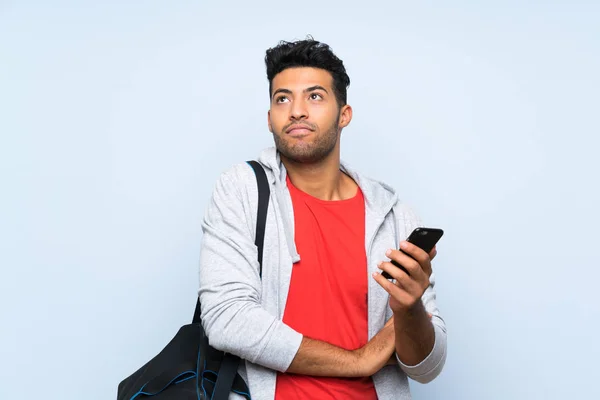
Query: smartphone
pixel 424 238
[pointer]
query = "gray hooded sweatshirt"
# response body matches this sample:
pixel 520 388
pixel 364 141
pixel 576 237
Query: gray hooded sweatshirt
pixel 243 314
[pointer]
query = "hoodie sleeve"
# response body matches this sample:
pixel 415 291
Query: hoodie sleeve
pixel 230 285
pixel 432 365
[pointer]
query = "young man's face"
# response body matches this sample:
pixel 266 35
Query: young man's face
pixel 304 117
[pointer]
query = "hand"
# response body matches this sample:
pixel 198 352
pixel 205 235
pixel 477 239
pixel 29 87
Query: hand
pixel 379 351
pixel 409 287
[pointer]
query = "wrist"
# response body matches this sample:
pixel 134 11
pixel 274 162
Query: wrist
pixel 416 310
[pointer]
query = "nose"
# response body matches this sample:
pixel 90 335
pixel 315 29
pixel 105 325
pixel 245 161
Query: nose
pixel 298 110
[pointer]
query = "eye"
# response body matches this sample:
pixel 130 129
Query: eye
pixel 315 96
pixel 281 99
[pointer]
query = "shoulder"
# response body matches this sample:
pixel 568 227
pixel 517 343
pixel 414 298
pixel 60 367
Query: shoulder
pixel 385 196
pixel 239 173
pixel 239 177
pixel 407 214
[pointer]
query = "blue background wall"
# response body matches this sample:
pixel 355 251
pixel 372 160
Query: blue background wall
pixel 116 119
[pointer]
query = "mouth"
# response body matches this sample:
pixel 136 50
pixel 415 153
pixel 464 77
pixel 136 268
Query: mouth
pixel 298 130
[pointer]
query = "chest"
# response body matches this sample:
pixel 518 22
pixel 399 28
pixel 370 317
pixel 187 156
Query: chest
pixel 330 239
pixel 360 246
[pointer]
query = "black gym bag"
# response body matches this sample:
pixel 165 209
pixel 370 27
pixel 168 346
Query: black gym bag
pixel 188 368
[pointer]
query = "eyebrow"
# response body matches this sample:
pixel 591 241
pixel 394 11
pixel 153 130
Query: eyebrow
pixel 310 89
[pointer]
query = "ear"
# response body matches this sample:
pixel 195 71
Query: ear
pixel 269 121
pixel 345 116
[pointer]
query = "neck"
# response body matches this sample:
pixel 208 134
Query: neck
pixel 323 180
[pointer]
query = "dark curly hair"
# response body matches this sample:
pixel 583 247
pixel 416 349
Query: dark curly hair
pixel 308 53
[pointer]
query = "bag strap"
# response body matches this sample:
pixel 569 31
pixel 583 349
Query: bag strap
pixel 175 375
pixel 263 205
pixel 261 220
pixel 230 363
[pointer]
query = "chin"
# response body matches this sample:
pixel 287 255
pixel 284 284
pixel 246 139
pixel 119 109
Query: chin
pixel 304 151
pixel 304 154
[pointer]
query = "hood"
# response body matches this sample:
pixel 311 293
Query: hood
pixel 379 197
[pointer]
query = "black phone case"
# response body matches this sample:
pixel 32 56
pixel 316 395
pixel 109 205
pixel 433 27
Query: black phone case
pixel 424 238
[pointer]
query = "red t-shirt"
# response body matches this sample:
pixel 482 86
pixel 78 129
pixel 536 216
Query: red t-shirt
pixel 327 299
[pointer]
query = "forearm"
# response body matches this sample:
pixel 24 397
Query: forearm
pixel 415 335
pixel 319 358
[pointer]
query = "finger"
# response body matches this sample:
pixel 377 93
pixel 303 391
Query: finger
pixel 433 253
pixel 412 266
pixel 418 254
pixel 397 272
pixel 396 292
pixel 392 360
pixel 414 251
pixel 390 321
pixel 403 280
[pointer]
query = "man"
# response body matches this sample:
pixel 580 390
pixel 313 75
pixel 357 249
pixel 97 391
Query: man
pixel 323 323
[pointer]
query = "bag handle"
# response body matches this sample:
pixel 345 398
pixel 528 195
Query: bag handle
pixel 261 220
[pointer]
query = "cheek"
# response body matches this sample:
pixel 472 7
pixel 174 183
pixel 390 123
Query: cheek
pixel 325 117
pixel 278 121
pixel 276 127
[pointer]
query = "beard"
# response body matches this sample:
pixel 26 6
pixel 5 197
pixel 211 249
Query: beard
pixel 311 152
